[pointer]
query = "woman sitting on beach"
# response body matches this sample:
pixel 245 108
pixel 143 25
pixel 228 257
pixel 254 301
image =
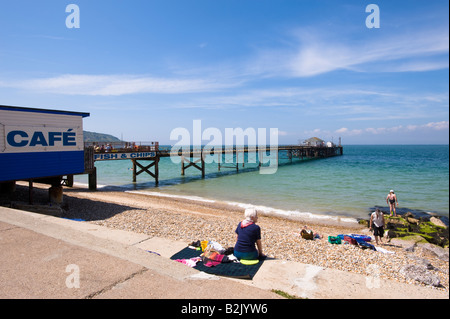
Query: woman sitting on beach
pixel 248 234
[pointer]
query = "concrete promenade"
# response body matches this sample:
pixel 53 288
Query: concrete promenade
pixel 48 257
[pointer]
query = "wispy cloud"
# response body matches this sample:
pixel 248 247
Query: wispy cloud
pixel 309 52
pixel 344 131
pixel 114 85
pixel 343 102
pixel 312 52
pixel 439 126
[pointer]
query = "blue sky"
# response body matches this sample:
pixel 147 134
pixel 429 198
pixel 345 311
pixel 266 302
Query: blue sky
pixel 308 68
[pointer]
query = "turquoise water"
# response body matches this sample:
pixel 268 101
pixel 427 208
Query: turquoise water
pixel 349 185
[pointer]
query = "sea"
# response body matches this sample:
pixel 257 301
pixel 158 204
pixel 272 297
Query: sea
pixel 336 189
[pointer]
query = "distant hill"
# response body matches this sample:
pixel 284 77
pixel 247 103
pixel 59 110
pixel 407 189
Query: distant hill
pixel 98 137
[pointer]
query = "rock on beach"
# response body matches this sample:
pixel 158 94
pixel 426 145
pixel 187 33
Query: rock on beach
pixel 420 274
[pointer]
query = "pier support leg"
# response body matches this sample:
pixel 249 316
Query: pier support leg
pixel 156 171
pixel 155 175
pixel 219 157
pixel 182 165
pixel 69 181
pixel 30 192
pixel 193 163
pixel 134 170
pixel 203 167
pixel 92 179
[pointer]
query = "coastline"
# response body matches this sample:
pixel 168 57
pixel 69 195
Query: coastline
pixel 305 217
pixel 319 188
pixel 190 220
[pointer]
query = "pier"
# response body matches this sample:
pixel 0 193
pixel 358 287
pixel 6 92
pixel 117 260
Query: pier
pixel 145 157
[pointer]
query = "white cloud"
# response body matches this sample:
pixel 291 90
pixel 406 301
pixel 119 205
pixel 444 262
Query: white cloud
pixel 315 52
pixel 345 131
pixel 443 125
pixel 114 85
pixel 437 126
pixel 382 133
pixel 342 130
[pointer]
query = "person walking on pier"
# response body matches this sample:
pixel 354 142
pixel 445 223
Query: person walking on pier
pixel 391 199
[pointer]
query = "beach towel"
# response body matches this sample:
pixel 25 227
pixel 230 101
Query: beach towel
pixel 384 251
pixel 362 237
pixel 191 262
pixel 359 240
pixel 230 269
pixel 363 244
pixel 350 240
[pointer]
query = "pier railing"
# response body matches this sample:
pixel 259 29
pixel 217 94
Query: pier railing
pixel 166 150
pixel 121 147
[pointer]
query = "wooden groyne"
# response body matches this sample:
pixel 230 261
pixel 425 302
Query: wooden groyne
pixel 146 158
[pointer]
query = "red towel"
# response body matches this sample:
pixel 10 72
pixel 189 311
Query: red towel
pixel 212 259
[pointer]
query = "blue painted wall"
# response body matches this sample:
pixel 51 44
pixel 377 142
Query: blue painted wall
pixel 16 166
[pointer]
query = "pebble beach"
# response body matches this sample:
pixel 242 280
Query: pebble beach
pixel 189 221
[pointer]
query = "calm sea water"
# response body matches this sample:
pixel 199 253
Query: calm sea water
pixel 350 185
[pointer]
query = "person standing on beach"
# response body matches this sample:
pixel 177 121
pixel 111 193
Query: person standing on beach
pixel 391 199
pixel 377 220
pixel 248 235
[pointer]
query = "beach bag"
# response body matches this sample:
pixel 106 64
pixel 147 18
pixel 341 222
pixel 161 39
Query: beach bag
pixel 334 239
pixel 307 234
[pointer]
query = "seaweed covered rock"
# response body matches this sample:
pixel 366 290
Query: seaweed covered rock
pixel 432 231
pixel 407 226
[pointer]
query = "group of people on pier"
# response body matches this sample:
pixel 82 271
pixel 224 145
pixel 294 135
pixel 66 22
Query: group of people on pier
pixel 124 147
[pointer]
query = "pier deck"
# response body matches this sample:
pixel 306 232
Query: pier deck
pixel 193 156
